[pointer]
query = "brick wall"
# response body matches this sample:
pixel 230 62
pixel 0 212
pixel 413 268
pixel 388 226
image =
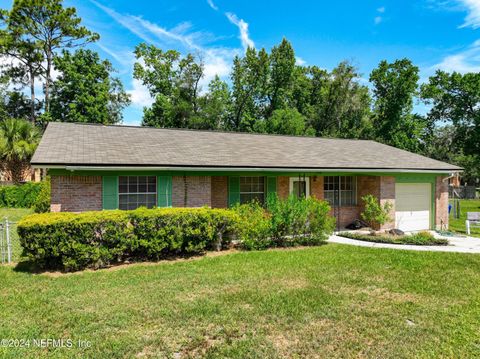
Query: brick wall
pixel 191 191
pixel 441 203
pixel 219 192
pixel 346 215
pixel 316 187
pixel 76 193
pixel 283 186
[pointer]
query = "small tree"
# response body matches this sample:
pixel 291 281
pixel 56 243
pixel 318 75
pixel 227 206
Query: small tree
pixel 374 213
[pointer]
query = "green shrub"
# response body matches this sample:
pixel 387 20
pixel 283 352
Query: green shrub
pixel 75 241
pixel 20 196
pixel 285 222
pixel 96 239
pixel 304 221
pixel 165 231
pixel 42 202
pixel 254 230
pixel 374 213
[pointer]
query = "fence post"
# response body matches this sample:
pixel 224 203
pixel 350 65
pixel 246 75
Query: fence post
pixel 2 249
pixel 9 245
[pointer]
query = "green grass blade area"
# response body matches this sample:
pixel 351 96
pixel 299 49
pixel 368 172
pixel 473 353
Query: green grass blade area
pixel 458 224
pixel 327 301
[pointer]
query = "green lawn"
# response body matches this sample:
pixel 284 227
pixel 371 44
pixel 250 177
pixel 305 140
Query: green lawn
pixel 458 225
pixel 327 301
pixel 14 215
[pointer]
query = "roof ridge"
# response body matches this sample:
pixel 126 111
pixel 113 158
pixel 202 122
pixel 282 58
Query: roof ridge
pixel 208 131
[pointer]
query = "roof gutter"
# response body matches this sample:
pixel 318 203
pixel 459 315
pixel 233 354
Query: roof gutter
pixel 244 169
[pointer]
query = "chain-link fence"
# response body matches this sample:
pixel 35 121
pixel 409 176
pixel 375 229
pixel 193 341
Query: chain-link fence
pixel 9 246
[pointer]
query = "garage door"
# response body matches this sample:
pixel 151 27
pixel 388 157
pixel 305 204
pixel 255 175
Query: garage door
pixel 412 206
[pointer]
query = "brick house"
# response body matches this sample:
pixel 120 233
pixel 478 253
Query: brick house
pixel 95 167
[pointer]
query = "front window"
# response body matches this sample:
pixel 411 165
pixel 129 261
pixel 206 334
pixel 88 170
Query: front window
pixel 137 191
pixel 300 186
pixel 340 190
pixel 252 189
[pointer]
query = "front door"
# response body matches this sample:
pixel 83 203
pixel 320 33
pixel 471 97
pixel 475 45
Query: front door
pixel 300 186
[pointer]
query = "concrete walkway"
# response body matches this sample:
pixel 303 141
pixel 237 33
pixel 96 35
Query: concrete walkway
pixel 456 244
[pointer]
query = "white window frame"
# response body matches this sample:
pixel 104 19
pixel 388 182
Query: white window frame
pixel 137 193
pixel 264 192
pixel 307 184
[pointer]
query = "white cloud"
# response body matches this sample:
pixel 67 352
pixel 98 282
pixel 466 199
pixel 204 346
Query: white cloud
pixel 378 19
pixel 243 28
pixel 124 57
pixel 299 61
pixel 212 5
pixel 473 17
pixel 139 94
pixel 216 60
pixel 465 61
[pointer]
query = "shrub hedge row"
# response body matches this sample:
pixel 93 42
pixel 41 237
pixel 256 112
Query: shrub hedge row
pixel 96 239
pixel 21 196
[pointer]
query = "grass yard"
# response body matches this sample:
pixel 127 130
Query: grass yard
pixel 458 225
pixel 327 301
pixel 14 215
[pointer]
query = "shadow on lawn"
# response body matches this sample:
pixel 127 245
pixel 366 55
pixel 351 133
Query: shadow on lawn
pixel 30 267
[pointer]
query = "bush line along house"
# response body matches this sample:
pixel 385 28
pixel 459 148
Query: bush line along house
pixel 95 167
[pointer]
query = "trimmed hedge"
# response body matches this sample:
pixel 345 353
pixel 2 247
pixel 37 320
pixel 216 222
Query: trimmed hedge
pixel 21 196
pixel 96 239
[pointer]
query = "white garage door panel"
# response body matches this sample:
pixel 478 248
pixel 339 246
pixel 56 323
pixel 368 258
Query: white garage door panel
pixel 412 206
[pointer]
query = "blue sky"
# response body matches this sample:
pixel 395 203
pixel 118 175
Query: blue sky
pixel 432 33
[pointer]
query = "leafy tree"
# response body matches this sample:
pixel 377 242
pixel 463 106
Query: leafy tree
pixel 281 79
pixel 455 98
pixel 16 104
pixel 287 122
pixel 18 141
pixel 215 107
pixel 173 82
pixel 25 56
pixel 394 88
pixel 249 86
pixel 341 105
pixel 85 91
pixel 48 26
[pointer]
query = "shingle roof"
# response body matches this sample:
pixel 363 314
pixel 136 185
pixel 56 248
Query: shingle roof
pixel 97 145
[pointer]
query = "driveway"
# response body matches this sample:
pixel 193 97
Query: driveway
pixel 456 244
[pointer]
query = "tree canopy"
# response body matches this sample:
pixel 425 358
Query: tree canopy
pixel 85 91
pixel 267 90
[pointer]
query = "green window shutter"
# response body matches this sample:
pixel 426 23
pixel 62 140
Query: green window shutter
pixel 233 191
pixel 164 191
pixel 109 192
pixel 271 186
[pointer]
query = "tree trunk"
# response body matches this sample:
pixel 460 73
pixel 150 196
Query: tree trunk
pixel 16 169
pixel 32 95
pixel 47 81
